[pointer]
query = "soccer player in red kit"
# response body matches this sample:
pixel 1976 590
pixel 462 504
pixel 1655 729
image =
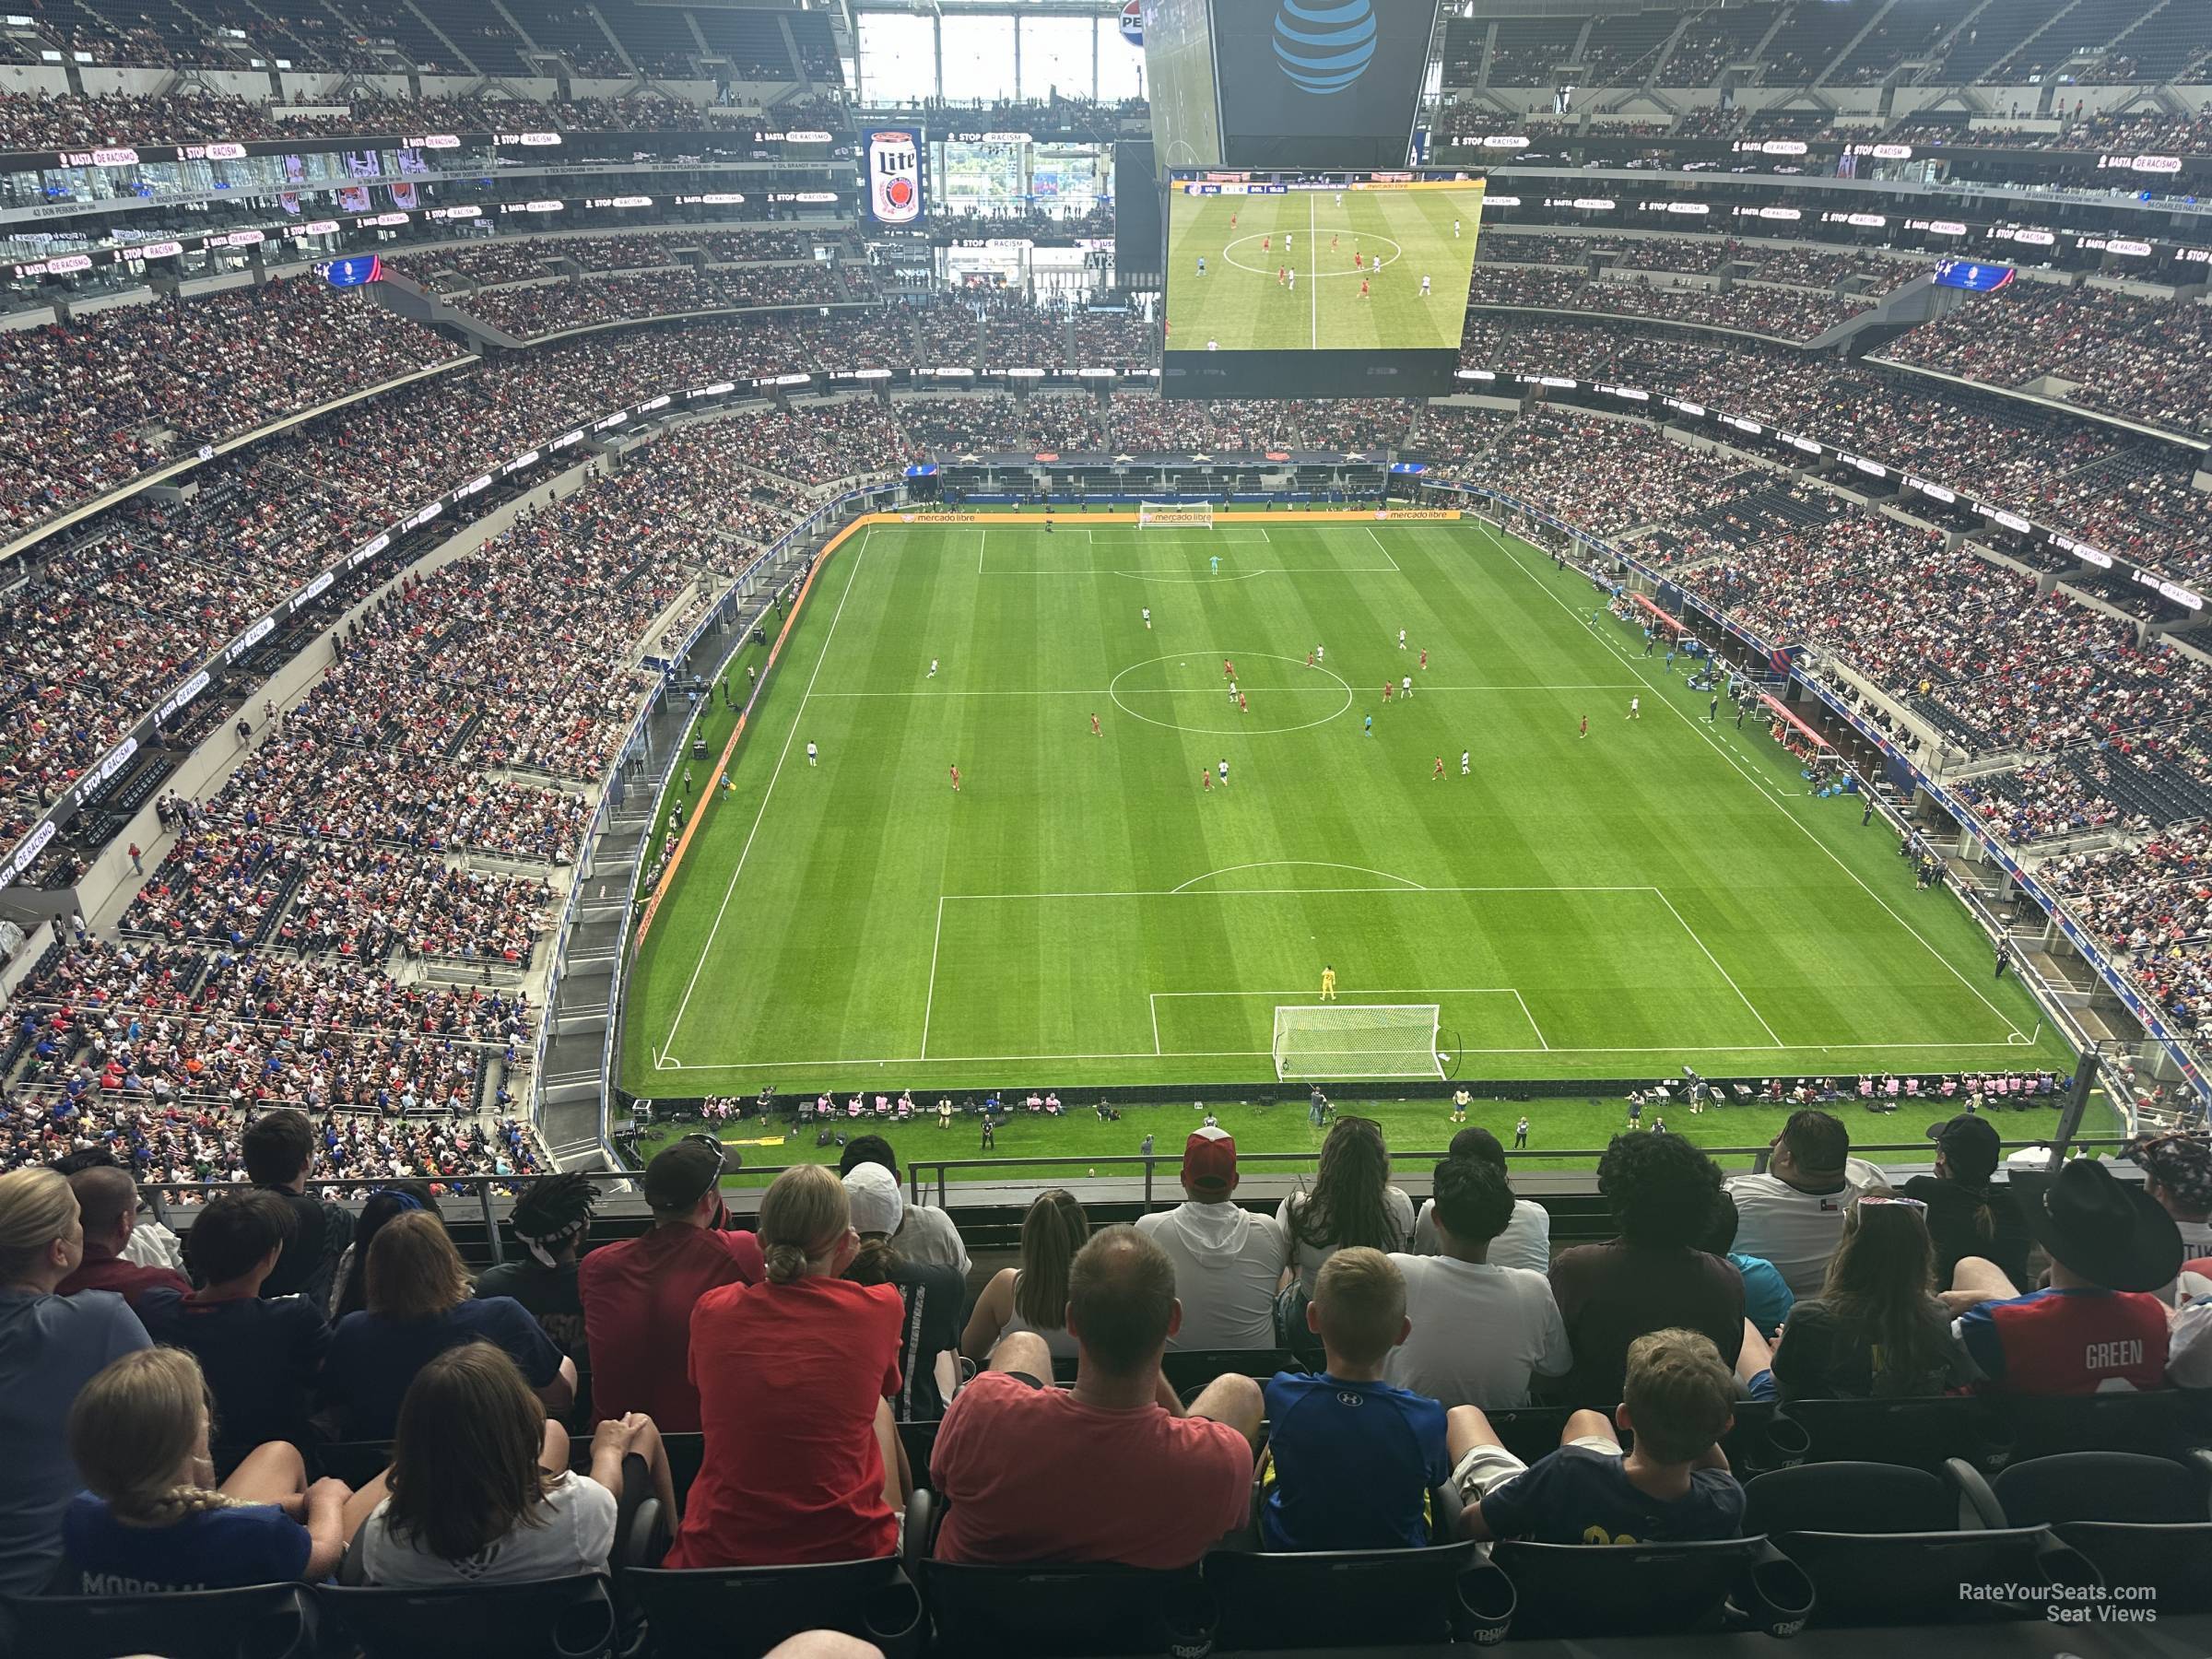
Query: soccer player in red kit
pixel 1241 704
pixel 1233 222
pixel 1264 240
pixel 1206 779
pixel 1386 690
pixel 1358 260
pixel 1362 287
pixel 1439 771
pixel 1585 731
pixel 1308 659
pixel 1094 725
pixel 1424 659
pixel 1228 669
pixel 956 779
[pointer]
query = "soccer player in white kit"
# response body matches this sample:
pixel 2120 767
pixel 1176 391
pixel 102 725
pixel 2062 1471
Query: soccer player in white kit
pixel 1406 690
pixel 1636 708
pixel 932 668
pixel 1147 617
pixel 1454 233
pixel 1320 656
pixel 1401 639
pixel 1466 762
pixel 811 755
pixel 1224 773
pixel 1424 288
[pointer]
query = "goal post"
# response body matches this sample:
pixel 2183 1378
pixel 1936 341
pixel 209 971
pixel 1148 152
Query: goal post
pixel 1317 1042
pixel 1154 514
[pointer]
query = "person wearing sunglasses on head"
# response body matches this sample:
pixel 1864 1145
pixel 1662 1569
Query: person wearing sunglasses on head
pixel 1877 1329
pixel 637 1294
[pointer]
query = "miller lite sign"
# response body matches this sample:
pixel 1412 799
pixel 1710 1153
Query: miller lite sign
pixel 895 176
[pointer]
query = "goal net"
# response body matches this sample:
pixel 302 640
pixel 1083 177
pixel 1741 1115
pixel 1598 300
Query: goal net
pixel 1150 514
pixel 1314 1041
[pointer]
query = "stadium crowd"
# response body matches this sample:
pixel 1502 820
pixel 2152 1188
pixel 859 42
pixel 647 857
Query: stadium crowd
pixel 2149 359
pixel 807 1351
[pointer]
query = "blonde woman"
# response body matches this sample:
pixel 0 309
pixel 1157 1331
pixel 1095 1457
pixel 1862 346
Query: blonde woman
pixel 152 1518
pixel 419 1305
pixel 803 1461
pixel 50 1347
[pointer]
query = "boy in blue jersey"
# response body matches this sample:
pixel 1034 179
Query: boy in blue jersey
pixel 1350 1458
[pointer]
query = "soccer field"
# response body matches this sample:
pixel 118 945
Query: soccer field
pixel 1082 913
pixel 1397 236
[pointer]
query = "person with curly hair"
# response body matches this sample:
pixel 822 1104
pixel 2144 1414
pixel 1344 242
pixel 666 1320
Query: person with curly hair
pixel 550 1220
pixel 1653 1277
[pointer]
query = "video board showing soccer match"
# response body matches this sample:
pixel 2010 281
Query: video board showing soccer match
pixel 1300 285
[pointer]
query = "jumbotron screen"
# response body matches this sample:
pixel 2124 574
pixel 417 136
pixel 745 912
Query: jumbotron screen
pixel 1317 285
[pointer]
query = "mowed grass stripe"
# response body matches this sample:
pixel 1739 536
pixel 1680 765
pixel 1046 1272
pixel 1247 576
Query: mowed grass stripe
pixel 821 973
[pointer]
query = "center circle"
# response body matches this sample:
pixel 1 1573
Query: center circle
pixel 1236 725
pixel 1397 253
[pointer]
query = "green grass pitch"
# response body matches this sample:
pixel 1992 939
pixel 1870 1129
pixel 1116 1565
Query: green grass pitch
pixel 1400 237
pixel 1661 893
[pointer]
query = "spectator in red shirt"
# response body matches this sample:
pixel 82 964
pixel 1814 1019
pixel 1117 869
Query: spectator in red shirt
pixel 1115 1469
pixel 638 1294
pixel 803 1461
pixel 108 1199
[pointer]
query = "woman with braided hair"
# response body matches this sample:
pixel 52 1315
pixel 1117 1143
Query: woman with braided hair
pixel 550 1218
pixel 153 1520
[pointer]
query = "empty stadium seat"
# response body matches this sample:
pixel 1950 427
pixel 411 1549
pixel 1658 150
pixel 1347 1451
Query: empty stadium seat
pixel 1588 1589
pixel 2142 1522
pixel 551 1618
pixel 260 1621
pixel 733 1612
pixel 1888 1545
pixel 1358 1597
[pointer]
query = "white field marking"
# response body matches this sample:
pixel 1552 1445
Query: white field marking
pixel 1312 276
pixel 1730 978
pixel 1285 864
pixel 1826 1048
pixel 1154 1004
pixel 1305 998
pixel 1427 690
pixel 1803 828
pixel 1532 1021
pixel 797 718
pixel 1385 552
pixel 1252 892
pixel 930 1001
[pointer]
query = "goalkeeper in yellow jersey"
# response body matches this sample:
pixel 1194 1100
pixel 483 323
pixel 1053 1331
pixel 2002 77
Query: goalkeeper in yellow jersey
pixel 1328 984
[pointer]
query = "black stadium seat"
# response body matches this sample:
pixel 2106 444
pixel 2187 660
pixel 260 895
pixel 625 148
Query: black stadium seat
pixel 1357 1598
pixel 550 1618
pixel 2142 1522
pixel 1589 1590
pixel 737 1612
pixel 1888 1545
pixel 262 1621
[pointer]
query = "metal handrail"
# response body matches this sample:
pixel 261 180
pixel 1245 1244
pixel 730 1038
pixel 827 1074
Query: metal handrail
pixel 915 1167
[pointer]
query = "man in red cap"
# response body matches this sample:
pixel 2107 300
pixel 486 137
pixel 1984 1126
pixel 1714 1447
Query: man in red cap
pixel 1227 1260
